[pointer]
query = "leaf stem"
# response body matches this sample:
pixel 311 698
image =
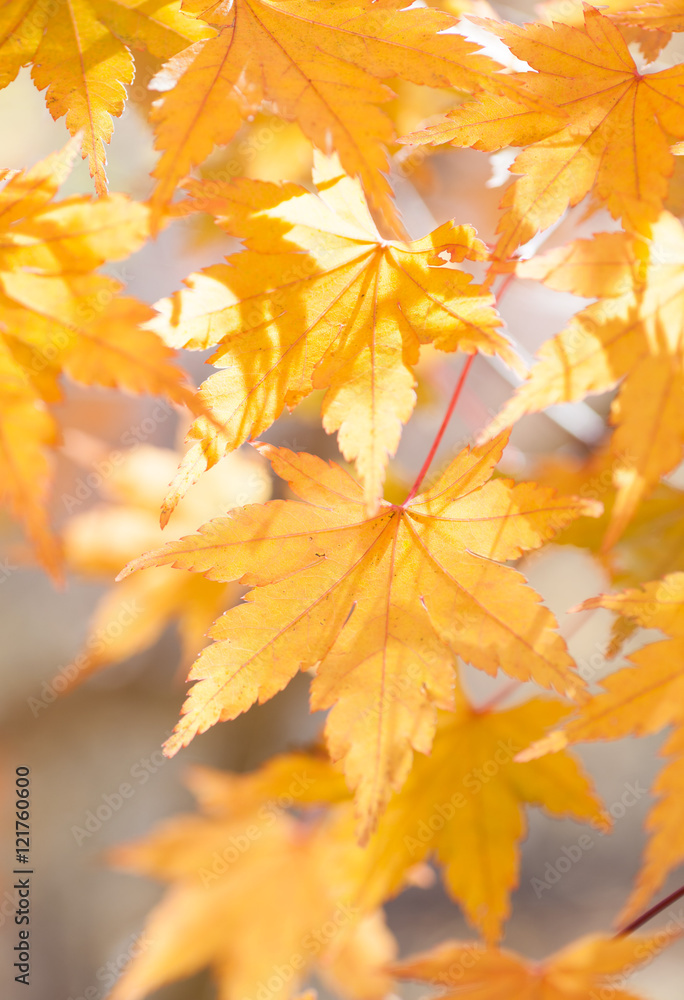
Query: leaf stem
pixel 452 405
pixel 440 433
pixel 653 912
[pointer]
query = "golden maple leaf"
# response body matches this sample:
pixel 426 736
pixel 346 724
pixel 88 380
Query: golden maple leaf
pixel 372 600
pixel 634 27
pixel 615 140
pixel 465 804
pixel 206 857
pixel 633 333
pixel 131 616
pixel 642 699
pixel 664 16
pixel 590 967
pixel 58 316
pixel 319 62
pixel 348 315
pixel 260 896
pixel 653 541
pixel 81 51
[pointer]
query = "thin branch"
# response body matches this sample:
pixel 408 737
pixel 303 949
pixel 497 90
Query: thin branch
pixel 653 912
pixel 440 433
pixel 496 699
pixel 452 405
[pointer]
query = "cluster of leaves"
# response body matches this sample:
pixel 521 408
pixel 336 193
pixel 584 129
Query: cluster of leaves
pixel 377 600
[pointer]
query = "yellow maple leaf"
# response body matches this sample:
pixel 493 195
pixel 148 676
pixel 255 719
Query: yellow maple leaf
pixel 652 544
pixel 470 784
pixel 465 804
pixel 615 140
pixel 592 966
pixel 131 616
pixel 634 334
pixel 348 314
pixel 319 62
pixel 637 700
pixel 81 51
pixel 372 601
pixel 58 316
pixel 233 869
pixel 651 38
pixel 664 16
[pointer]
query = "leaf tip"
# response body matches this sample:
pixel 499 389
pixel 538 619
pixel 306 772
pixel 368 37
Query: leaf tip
pixel 174 743
pixel 553 743
pixel 591 508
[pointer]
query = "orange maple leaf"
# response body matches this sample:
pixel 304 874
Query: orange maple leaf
pixel 233 869
pixel 465 803
pixel 633 333
pixel 372 601
pixel 132 615
pixel 638 700
pixel 634 27
pixel 58 316
pixel 319 62
pixel 590 967
pixel 651 546
pixel 81 51
pixel 664 16
pixel 348 315
pixel 615 139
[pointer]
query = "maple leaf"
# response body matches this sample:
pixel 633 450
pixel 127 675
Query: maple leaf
pixel 81 51
pixel 652 544
pixel 614 142
pixel 634 333
pixel 664 16
pixel 232 870
pixel 591 966
pixel 465 800
pixel 131 616
pixel 373 601
pixel 638 700
pixel 465 803
pixel 58 316
pixel 348 315
pixel 267 148
pixel 318 62
pixel 651 39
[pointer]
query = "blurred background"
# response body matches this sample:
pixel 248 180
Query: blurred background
pixel 83 744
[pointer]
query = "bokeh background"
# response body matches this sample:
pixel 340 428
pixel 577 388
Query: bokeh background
pixel 82 746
